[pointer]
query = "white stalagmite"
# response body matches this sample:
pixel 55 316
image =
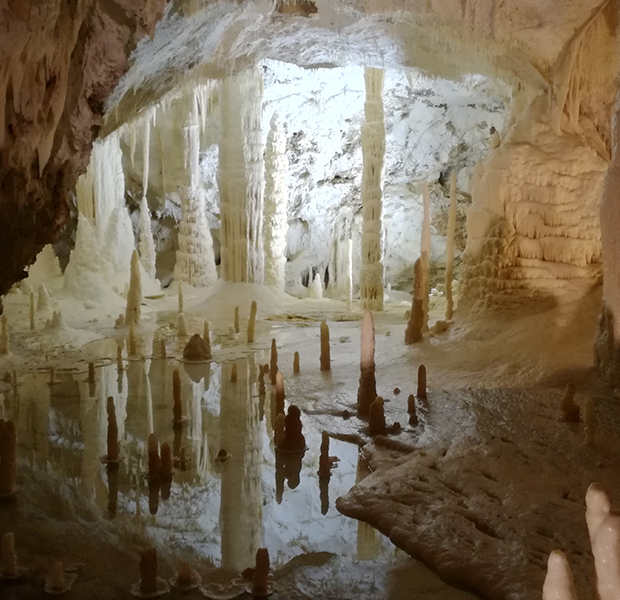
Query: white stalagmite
pixel 606 551
pixel 241 178
pixel 559 583
pixel 134 295
pixel 276 223
pixel 373 154
pixel 195 260
pixel 146 246
pixel 316 289
pixel 425 250
pixel 450 246
pixel 43 300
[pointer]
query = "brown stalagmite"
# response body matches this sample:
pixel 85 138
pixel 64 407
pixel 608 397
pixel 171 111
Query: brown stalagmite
pixel 197 349
pixel 376 424
pixel 177 408
pixel 162 348
pixel 252 322
pixel 366 393
pixel 233 372
pixel 148 571
pixel 411 409
pixel 112 440
pixel 273 368
pixel 237 328
pixel 8 457
pixel 261 573
pixel 421 382
pixel 8 559
pixel 367 354
pixel 180 297
pixel 261 381
pixel 450 247
pixel 413 333
pixel 294 440
pixel 185 575
pixel 91 372
pixel 325 357
pixel 154 460
pixel 296 362
pixel 570 409
pixel 325 467
pixel 32 327
pixel 56 577
pixel 166 461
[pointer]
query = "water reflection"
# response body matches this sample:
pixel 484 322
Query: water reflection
pixel 223 509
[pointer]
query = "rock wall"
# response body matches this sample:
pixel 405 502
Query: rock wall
pixel 59 61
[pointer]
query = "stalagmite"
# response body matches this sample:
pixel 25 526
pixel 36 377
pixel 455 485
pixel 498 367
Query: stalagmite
pixel 197 349
pixel 241 177
pixel 8 457
pixel 4 335
pixel 373 155
pixel 186 578
pixel 252 322
pixel 32 326
pixel 325 352
pixel 367 391
pixel 180 297
pixel 43 300
pixel 177 408
pixel 415 326
pixel 134 295
pixel 57 581
pixel 133 346
pixel 570 410
pixel 598 507
pixel 425 254
pixel 450 246
pixel 150 584
pixel 237 328
pixel 8 559
pixel 146 245
pixel 296 362
pixel 411 409
pixel 589 421
pixel 606 551
pixel 316 289
pixel 280 394
pixel 349 273
pixel 421 382
pixel 233 373
pixel 376 424
pixel 182 326
pixel 260 586
pixel 276 196
pixel 119 323
pixel 112 439
pixel 91 372
pixel 273 368
pixel 559 583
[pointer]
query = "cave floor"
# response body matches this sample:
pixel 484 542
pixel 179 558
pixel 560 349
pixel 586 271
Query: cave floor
pixel 75 509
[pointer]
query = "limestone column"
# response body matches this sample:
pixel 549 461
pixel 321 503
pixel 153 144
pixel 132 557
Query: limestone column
pixel 373 153
pixel 241 178
pixel 195 263
pixel 276 196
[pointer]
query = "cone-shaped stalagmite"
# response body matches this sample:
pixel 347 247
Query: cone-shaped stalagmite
pixel 294 440
pixel 134 295
pixel 112 441
pixel 559 583
pixel 148 571
pixel 450 246
pixel 8 457
pixel 413 333
pixel 377 418
pixel 182 325
pixel 43 300
pixel 325 356
pixel 296 362
pixel 421 382
pixel 411 409
pixel 252 322
pixel 261 573
pixel 197 348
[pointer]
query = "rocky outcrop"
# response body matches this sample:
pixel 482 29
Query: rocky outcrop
pixel 59 61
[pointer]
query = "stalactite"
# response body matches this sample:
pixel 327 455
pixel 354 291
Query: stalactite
pixel 450 247
pixel 240 178
pixel 276 196
pixel 373 154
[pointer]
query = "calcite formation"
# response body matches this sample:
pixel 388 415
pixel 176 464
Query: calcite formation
pixel 197 348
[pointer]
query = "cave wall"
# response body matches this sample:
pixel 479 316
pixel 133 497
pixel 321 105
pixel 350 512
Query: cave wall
pixel 59 61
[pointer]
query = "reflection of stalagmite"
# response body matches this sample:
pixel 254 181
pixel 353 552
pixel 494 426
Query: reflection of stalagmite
pixel 165 470
pixel 112 439
pixel 325 354
pixel 273 367
pixel 241 496
pixel 8 457
pixel 450 246
pixel 182 326
pixel 294 440
pixel 367 391
pixel 373 153
pixel 177 408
